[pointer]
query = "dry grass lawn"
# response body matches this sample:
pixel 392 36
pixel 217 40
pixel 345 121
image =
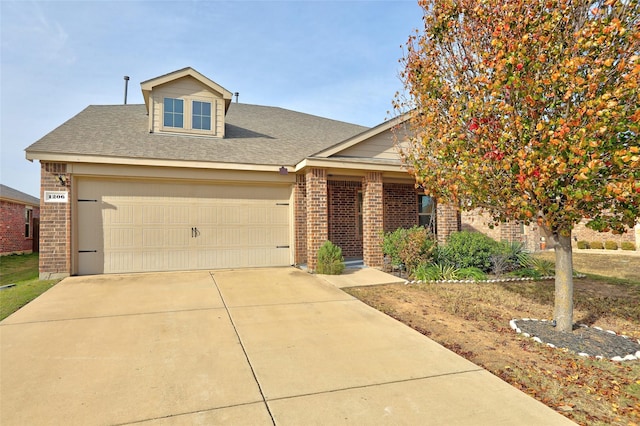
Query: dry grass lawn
pixel 473 321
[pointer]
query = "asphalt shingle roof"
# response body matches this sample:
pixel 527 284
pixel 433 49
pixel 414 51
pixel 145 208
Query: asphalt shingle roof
pixel 254 135
pixel 14 194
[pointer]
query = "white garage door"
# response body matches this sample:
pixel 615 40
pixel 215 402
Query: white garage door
pixel 143 226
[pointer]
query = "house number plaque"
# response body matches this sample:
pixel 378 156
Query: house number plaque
pixel 56 196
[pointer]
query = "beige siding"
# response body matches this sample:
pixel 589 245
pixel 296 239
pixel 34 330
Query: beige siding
pixel 379 146
pixel 140 226
pixel 189 89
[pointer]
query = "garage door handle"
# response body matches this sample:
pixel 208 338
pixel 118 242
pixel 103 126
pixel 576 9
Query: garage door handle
pixel 194 232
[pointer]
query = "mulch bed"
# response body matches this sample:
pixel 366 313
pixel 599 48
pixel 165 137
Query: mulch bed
pixel 582 340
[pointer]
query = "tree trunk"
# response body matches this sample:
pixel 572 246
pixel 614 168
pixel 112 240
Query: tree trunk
pixel 563 310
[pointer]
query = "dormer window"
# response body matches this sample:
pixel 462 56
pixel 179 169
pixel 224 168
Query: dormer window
pixel 186 102
pixel 173 113
pixel 201 115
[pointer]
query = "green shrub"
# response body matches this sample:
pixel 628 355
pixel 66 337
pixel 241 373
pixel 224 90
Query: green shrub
pixel 471 274
pixel 611 245
pixel 596 245
pixel 435 272
pixel 392 243
pixel 582 245
pixel 544 267
pixel 627 245
pixel 409 247
pixel 469 249
pixel 330 260
pixel 426 272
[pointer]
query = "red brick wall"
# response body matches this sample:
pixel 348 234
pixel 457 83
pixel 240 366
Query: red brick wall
pixel 12 227
pixel 317 212
pixel 343 217
pixel 55 224
pixel 373 218
pixel 448 220
pixel 400 206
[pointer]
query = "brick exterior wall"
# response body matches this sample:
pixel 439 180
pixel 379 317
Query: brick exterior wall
pixel 343 217
pixel 448 220
pixel 55 224
pixel 400 206
pixel 317 214
pixel 478 221
pixel 12 228
pixel 373 219
pixel 582 233
pixel 300 217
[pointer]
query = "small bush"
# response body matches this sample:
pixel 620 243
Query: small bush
pixel 627 245
pixel 436 272
pixel 544 267
pixel 469 249
pixel 471 274
pixel 409 247
pixel 392 243
pixel 583 245
pixel 596 245
pixel 330 260
pixel 611 245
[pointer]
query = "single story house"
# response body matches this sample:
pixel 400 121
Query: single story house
pixel 193 180
pixel 19 222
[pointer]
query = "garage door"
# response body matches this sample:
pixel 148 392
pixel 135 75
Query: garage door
pixel 143 226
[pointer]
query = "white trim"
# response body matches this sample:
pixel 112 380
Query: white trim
pixel 79 158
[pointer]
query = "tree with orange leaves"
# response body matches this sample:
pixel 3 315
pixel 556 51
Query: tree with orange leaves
pixel 529 110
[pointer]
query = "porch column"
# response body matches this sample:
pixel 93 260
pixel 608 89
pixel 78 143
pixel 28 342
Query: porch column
pixel 447 221
pixel 300 214
pixel 372 219
pixel 317 214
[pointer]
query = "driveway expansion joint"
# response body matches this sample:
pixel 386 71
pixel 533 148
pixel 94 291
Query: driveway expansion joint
pixel 372 385
pixel 3 324
pixel 244 350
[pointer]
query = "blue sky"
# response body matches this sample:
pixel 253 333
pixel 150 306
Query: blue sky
pixel 336 59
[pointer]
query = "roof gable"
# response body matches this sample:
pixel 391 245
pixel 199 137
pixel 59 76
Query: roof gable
pixel 148 85
pixel 376 142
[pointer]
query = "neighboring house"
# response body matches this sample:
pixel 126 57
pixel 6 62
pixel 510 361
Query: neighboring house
pixel 190 180
pixel 19 218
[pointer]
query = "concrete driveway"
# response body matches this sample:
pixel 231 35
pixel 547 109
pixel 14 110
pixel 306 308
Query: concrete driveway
pixel 247 347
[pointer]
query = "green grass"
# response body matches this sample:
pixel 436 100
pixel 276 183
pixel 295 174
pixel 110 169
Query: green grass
pixel 14 298
pixel 21 270
pixel 18 267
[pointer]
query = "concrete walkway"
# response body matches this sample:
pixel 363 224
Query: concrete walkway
pixel 250 347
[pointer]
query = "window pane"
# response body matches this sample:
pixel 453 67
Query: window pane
pixel 426 204
pixel 178 105
pixel 177 120
pixel 168 120
pixel 168 105
pixel 201 115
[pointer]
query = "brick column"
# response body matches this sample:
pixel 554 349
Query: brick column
pixel 300 214
pixel 55 224
pixel 447 221
pixel 317 214
pixel 372 219
pixel 511 231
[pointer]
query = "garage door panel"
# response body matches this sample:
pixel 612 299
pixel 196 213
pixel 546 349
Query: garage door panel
pixel 151 226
